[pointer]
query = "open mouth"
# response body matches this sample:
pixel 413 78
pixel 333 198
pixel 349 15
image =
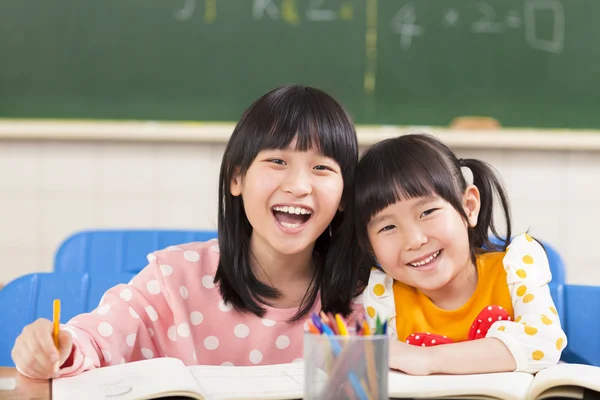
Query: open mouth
pixel 425 261
pixel 291 216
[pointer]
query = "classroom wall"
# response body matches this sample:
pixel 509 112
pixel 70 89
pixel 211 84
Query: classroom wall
pixel 49 189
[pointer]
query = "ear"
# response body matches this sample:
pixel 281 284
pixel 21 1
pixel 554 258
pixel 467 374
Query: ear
pixel 235 187
pixel 341 207
pixel 472 204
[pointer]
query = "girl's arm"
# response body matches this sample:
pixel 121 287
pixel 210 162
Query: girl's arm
pixel 535 338
pixel 128 324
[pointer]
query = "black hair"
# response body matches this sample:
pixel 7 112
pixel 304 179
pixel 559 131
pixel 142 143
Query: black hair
pixel 314 120
pixel 418 165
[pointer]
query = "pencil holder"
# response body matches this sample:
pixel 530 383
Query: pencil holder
pixel 345 367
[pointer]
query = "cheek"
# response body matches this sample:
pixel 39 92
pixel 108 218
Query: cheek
pixel 333 190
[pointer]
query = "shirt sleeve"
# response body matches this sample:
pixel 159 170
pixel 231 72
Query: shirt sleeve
pixel 535 338
pixel 125 326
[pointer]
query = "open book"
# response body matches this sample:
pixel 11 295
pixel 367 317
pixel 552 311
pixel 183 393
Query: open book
pixel 164 377
pixel 169 377
pixel 559 381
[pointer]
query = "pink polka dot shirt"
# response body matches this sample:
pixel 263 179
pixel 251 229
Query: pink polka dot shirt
pixel 172 308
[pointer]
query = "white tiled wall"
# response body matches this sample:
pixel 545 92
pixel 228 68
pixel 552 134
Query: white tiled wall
pixel 50 189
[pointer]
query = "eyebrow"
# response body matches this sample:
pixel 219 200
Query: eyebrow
pixel 419 203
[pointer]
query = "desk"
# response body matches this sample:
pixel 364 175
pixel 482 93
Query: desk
pixel 27 389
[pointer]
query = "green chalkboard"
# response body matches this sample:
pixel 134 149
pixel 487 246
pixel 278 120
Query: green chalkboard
pixel 407 62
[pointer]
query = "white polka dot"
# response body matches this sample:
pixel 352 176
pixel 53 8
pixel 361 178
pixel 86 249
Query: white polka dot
pixel 151 332
pixel 191 256
pixel 173 248
pixel 153 287
pixel 500 307
pixel 215 248
pixel 255 356
pixel 152 313
pixel 490 308
pixel 106 356
pixel 172 333
pixel 298 360
pixel 500 318
pixel 433 341
pixel 87 362
pixel 147 353
pixel 412 334
pixel 208 281
pixel 166 269
pixel 194 355
pixel 227 364
pixel 445 337
pixel 478 331
pixel 133 313
pixel 427 333
pixel 282 342
pixel 126 294
pixel 408 341
pixel 105 329
pixel 130 339
pixel 479 320
pixel 103 309
pixel 268 322
pixel 423 344
pixel 241 331
pixel 184 292
pixel 211 343
pixel 508 318
pixel 183 330
pixel 417 337
pixel 196 317
pixel 151 258
pixel 490 319
pixel 225 307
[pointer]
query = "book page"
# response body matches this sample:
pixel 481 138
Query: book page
pixel 134 380
pixel 280 381
pixel 565 375
pixel 501 385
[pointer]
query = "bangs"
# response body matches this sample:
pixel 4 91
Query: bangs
pixel 307 117
pixel 395 171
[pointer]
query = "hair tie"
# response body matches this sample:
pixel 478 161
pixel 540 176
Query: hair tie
pixel 462 162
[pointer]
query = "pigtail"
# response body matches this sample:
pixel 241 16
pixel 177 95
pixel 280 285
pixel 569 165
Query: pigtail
pixel 488 182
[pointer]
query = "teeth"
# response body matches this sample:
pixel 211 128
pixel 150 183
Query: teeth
pixel 288 225
pixel 427 260
pixel 292 210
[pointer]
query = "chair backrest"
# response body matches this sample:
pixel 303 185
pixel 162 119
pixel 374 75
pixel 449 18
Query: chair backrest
pixel 557 264
pixel 119 250
pixel 582 324
pixel 30 297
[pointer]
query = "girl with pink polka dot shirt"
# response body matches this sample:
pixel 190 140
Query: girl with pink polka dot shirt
pixel 286 179
pixel 456 302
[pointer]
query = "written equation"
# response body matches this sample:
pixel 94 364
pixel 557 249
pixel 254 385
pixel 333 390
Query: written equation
pixel 405 23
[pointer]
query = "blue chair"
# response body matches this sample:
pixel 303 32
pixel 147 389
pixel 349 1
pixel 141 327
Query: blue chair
pixel 582 324
pixel 30 297
pixel 119 250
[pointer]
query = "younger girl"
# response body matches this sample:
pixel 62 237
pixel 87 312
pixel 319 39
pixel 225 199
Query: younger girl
pixel 287 172
pixel 442 283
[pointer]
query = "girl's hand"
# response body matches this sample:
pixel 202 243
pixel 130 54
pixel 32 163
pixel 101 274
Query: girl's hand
pixel 35 354
pixel 412 360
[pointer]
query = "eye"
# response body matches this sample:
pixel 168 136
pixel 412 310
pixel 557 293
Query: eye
pixel 278 161
pixel 429 212
pixel 387 228
pixel 323 168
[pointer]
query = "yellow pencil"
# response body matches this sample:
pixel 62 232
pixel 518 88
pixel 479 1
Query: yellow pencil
pixel 343 329
pixel 56 322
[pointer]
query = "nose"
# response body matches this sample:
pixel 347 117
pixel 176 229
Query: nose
pixel 298 182
pixel 415 238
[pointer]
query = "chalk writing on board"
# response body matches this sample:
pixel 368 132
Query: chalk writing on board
pixel 189 7
pixel 317 11
pixel 403 23
pixel 490 21
pixel 555 7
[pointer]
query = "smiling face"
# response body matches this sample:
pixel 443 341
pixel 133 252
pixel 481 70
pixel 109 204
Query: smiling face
pixel 289 197
pixel 423 241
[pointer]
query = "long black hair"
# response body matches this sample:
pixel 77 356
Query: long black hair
pixel 315 120
pixel 417 165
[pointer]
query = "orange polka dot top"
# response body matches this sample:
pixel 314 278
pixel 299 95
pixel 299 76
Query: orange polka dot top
pixel 515 282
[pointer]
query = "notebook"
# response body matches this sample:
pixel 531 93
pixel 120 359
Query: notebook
pixel 163 377
pixel 559 381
